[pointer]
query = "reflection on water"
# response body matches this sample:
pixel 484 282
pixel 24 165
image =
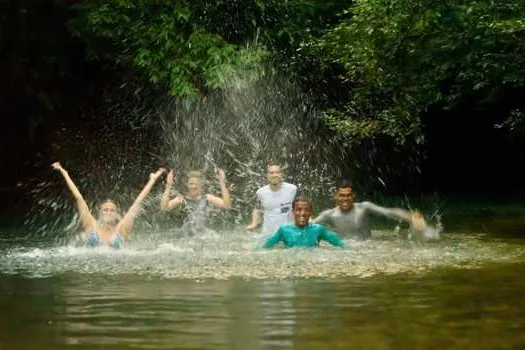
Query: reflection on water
pixel 445 309
pixel 464 292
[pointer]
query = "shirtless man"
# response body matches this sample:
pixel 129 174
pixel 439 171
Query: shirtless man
pixel 274 201
pixel 351 219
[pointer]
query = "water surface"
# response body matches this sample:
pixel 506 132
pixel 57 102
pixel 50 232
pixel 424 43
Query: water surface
pixel 463 292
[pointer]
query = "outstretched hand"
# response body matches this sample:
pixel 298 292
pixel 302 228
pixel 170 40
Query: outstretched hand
pixel 418 221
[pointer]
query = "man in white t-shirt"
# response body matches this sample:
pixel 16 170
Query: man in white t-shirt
pixel 275 201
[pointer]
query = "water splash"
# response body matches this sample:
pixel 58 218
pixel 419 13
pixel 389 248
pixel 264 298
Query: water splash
pixel 243 129
pixel 219 255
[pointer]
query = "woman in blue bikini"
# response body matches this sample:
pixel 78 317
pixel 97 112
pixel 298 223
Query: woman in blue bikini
pixel 110 228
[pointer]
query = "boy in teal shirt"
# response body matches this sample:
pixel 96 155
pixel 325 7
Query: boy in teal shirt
pixel 302 233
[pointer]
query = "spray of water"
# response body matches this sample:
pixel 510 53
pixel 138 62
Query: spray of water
pixel 241 128
pixel 244 128
pixel 223 258
pixel 104 161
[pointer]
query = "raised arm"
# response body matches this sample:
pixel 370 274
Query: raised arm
pixel 165 202
pixel 87 219
pixel 415 219
pixel 225 200
pixel 126 223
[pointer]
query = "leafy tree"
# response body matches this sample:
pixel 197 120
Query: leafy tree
pixel 403 57
pixel 190 47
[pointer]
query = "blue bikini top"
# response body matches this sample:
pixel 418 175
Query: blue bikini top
pixel 94 241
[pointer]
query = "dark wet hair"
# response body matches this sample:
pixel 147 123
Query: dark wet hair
pixel 344 183
pixel 302 199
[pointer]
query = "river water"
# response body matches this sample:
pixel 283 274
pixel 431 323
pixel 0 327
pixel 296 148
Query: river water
pixel 162 292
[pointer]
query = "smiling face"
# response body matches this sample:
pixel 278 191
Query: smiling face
pixel 108 213
pixel 302 210
pixel 344 197
pixel 194 187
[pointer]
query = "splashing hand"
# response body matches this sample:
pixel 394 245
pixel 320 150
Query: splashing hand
pixel 170 177
pixel 57 166
pixel 418 221
pixel 220 174
pixel 250 228
pixel 154 176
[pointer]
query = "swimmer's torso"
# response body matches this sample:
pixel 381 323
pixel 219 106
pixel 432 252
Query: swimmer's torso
pixel 308 236
pixel 354 223
pixel 195 212
pixel 276 206
pixel 94 239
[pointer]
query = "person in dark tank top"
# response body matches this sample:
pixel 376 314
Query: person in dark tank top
pixel 194 203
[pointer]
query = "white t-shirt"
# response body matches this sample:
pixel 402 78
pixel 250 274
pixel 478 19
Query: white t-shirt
pixel 276 206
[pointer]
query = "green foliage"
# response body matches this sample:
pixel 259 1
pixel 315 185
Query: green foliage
pixel 403 57
pixel 192 46
pixel 354 129
pixel 163 40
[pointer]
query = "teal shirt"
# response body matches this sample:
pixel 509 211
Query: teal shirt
pixel 307 236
